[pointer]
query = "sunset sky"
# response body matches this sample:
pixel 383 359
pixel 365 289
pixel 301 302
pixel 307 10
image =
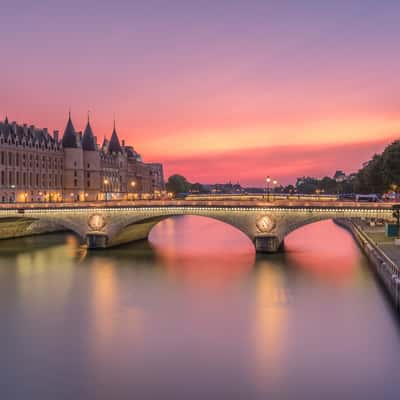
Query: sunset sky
pixel 216 90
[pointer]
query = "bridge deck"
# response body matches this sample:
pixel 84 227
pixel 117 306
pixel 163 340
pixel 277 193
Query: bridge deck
pixel 328 204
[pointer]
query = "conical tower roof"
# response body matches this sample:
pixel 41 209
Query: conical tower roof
pixel 114 145
pixel 88 140
pixel 70 138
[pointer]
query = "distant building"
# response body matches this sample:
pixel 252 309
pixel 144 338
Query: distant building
pixel 225 188
pixel 339 176
pixel 38 167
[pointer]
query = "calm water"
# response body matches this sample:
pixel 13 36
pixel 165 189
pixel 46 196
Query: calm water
pixel 195 315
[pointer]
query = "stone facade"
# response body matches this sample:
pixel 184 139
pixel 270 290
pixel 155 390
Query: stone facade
pixel 38 167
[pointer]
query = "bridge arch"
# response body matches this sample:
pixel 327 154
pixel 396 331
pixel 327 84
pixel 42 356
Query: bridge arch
pixel 11 227
pixel 135 229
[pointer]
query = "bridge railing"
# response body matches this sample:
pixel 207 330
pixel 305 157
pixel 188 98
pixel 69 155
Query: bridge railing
pixel 200 203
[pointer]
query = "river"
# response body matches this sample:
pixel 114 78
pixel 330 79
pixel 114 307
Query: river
pixel 195 314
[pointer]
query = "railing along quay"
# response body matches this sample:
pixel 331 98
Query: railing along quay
pixel 387 270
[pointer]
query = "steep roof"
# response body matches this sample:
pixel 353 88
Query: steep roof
pixel 20 133
pixel 88 139
pixel 70 138
pixel 114 145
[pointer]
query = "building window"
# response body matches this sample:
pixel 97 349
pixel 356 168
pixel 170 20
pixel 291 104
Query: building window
pixel 75 182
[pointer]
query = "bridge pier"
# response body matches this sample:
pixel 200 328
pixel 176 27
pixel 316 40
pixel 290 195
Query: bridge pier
pixel 96 241
pixel 268 244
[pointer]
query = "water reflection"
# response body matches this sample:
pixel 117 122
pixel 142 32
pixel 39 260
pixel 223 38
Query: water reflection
pixel 320 251
pixel 192 248
pixel 194 314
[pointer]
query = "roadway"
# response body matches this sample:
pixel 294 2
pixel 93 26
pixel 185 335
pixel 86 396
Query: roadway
pixel 204 203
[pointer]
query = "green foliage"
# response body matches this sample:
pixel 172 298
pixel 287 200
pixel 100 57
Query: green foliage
pixel 178 184
pixel 382 173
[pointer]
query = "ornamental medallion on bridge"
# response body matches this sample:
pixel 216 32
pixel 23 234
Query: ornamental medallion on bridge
pixel 96 222
pixel 265 224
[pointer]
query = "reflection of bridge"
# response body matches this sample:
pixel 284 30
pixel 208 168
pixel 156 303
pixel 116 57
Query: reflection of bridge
pixel 102 225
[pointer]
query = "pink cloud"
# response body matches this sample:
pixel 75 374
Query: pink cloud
pixel 286 163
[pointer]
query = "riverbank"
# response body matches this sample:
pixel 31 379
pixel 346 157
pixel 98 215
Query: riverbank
pixel 382 252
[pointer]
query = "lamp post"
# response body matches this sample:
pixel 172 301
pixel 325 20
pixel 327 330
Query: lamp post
pixel 396 214
pixel 268 181
pixel 274 182
pixel 105 189
pixel 133 184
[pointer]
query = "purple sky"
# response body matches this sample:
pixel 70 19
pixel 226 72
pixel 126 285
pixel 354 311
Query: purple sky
pixel 196 84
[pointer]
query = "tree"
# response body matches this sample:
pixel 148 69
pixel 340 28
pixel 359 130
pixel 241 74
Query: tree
pixel 391 165
pixel 178 184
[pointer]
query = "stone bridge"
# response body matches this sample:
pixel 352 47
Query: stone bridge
pixel 102 225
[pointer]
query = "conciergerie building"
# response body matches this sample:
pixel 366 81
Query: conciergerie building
pixel 36 166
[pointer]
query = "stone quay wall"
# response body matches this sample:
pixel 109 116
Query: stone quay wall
pixel 387 271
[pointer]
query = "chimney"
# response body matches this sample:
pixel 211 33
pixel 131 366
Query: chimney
pixel 55 136
pixel 123 143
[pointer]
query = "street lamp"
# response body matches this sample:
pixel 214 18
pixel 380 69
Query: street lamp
pixel 133 184
pixel 105 188
pixel 268 181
